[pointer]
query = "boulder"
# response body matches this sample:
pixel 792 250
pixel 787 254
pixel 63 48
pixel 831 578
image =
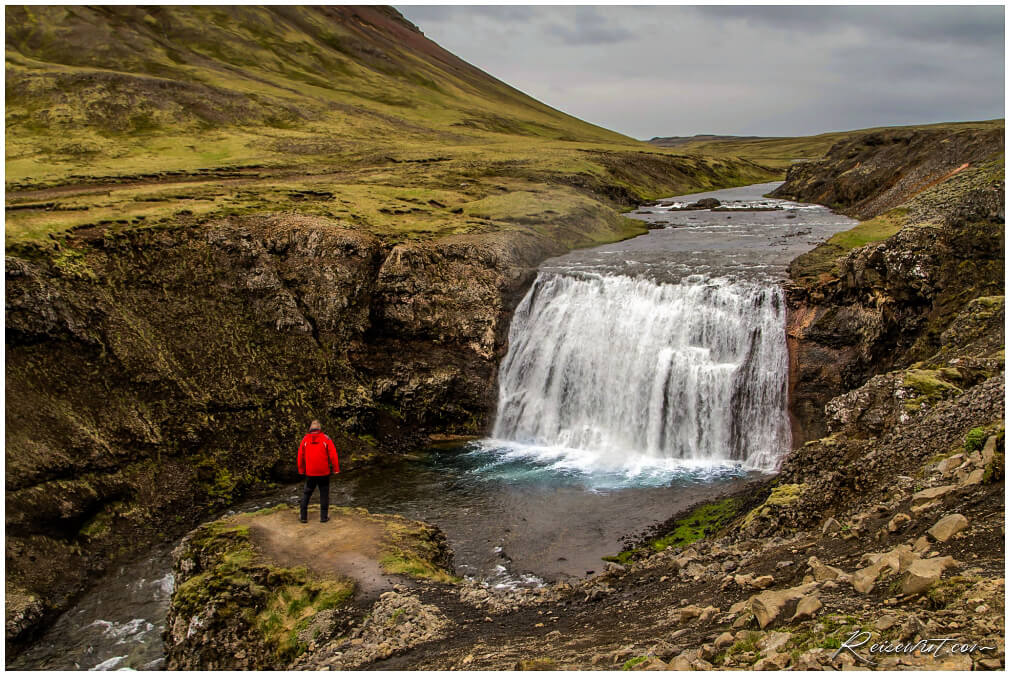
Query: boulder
pixel 769 606
pixel 989 450
pixel 947 466
pixel 774 641
pixel 898 522
pixel 973 478
pixel 772 662
pixel 680 663
pixel 831 526
pixel 897 560
pixel 724 640
pixel 807 608
pixel 948 527
pixel 931 494
pixel 704 203
pixel 885 622
pixel 823 572
pixel 923 573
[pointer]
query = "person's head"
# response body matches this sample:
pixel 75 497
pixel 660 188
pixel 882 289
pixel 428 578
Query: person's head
pixel 315 426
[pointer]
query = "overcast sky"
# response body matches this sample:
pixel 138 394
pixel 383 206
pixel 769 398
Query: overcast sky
pixel 775 71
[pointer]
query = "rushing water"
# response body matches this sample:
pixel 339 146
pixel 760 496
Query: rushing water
pixel 641 377
pixel 663 352
pixel 625 371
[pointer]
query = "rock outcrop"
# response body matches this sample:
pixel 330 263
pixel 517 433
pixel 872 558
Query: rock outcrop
pixel 858 310
pixel 870 173
pixel 158 374
pixel 258 591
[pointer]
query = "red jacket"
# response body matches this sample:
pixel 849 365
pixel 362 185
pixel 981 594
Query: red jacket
pixel 317 456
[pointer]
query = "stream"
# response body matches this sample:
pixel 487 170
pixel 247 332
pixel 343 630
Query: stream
pixel 641 377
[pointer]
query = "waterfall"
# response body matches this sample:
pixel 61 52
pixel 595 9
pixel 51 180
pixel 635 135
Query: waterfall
pixel 630 370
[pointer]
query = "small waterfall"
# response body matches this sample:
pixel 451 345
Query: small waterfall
pixel 631 370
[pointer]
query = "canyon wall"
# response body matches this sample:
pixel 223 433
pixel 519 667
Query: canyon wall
pixel 879 297
pixel 156 375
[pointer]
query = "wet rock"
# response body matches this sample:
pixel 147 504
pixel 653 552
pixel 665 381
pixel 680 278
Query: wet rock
pixel 948 527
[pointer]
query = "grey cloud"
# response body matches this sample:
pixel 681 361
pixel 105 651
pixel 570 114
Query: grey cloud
pixel 679 70
pixel 951 24
pixel 589 26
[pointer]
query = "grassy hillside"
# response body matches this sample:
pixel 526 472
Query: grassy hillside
pixel 781 152
pixel 128 116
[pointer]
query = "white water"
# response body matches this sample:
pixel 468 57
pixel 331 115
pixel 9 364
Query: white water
pixel 611 372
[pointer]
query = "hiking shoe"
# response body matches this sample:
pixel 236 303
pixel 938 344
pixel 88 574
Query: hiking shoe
pixel 301 520
pixel 324 519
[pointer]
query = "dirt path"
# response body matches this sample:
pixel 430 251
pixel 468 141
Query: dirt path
pixel 346 546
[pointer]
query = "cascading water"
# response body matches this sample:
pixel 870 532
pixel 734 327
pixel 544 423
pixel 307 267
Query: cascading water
pixel 626 371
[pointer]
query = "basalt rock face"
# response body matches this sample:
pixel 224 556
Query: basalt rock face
pixel 156 375
pixel 870 173
pixel 885 305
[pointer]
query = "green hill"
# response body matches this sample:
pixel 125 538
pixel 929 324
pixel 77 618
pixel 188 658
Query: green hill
pixel 348 112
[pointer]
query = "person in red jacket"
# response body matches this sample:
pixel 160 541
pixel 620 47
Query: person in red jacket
pixel 317 460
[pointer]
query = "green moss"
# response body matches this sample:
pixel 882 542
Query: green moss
pixel 633 662
pixel 289 609
pixel 975 439
pixel 411 565
pixel 73 263
pixel 947 590
pixel 930 385
pixel 827 632
pixel 278 602
pixel 705 520
pixel 701 522
pixel 98 526
pixel 781 496
pixel 874 230
pixel 748 644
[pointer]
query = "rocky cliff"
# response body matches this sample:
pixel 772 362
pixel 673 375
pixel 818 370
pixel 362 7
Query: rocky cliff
pixel 159 374
pixel 881 295
pixel 890 528
pixel 213 237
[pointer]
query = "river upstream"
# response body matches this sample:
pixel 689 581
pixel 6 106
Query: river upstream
pixel 641 377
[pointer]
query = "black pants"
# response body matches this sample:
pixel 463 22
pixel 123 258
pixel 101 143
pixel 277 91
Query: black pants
pixel 323 482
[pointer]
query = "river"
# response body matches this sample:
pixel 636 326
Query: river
pixel 641 377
